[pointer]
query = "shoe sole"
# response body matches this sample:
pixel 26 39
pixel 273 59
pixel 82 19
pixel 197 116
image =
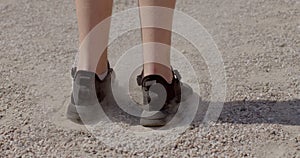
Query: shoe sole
pixel 84 114
pixel 152 123
pixel 155 118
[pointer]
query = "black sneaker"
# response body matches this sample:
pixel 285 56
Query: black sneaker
pixel 161 100
pixel 89 93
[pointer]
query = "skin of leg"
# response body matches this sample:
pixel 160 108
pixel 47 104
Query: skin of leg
pixel 156 36
pixel 90 13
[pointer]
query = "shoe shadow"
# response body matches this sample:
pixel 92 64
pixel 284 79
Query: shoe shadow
pixel 184 116
pixel 117 115
pixel 255 111
pixel 236 112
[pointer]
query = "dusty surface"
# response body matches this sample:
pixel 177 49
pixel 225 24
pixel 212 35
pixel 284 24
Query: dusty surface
pixel 259 41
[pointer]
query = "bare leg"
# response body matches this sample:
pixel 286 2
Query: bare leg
pixel 156 40
pixel 90 13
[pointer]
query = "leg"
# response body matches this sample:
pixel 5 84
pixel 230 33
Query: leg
pixel 90 13
pixel 87 94
pixel 156 40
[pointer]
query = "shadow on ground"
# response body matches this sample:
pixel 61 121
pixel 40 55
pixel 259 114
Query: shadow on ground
pixel 237 112
pixel 256 111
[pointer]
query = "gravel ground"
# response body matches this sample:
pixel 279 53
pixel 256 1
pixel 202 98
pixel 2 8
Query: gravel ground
pixel 258 39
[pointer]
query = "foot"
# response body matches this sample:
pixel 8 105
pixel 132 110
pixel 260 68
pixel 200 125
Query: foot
pixel 89 93
pixel 161 100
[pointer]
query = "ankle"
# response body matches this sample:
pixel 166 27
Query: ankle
pixel 159 69
pixel 102 69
